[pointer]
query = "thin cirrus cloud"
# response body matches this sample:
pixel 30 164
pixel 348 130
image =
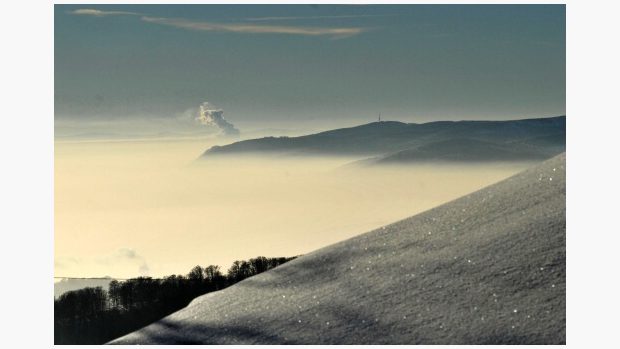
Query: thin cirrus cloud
pixel 243 28
pixel 99 13
pixel 256 29
pixel 289 18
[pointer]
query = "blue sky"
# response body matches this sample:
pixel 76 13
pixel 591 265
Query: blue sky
pixel 294 63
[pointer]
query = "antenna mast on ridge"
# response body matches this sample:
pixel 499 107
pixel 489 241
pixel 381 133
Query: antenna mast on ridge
pixel 379 116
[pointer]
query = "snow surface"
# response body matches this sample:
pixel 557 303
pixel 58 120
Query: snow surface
pixel 487 268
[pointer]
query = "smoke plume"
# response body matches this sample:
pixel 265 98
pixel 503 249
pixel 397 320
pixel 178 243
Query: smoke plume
pixel 209 115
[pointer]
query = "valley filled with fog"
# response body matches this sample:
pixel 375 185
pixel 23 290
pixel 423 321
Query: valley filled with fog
pixel 131 208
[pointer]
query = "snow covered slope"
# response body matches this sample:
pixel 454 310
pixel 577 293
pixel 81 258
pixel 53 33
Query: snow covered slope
pixel 488 268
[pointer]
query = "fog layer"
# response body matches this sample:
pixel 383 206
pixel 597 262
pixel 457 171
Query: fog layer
pixel 129 208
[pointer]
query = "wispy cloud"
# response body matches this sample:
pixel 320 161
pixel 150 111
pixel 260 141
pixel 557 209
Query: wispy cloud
pixel 334 33
pixel 290 18
pixel 99 13
pixel 127 256
pixel 123 262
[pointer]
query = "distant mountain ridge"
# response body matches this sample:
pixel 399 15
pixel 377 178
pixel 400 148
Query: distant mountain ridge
pixel 393 141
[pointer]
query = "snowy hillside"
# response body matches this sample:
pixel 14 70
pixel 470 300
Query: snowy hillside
pixel 488 268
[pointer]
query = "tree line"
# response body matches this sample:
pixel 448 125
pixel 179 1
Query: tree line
pixel 93 315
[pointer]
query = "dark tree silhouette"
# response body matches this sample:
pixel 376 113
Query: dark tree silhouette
pixel 196 274
pixel 214 277
pixel 94 316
